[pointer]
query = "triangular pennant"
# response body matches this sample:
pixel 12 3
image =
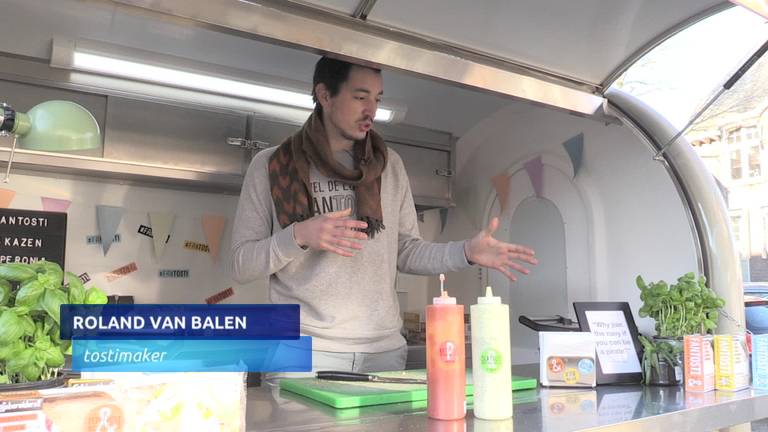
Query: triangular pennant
pixel 162 224
pixel 501 184
pixel 535 168
pixel 213 227
pixel 108 219
pixel 575 147
pixel 443 219
pixel 6 196
pixel 55 205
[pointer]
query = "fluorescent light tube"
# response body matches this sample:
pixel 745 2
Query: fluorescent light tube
pixel 197 81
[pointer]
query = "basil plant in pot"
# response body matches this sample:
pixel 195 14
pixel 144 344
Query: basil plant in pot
pixel 30 296
pixel 687 307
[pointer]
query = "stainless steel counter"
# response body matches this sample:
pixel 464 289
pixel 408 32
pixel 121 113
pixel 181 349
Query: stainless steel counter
pixel 622 408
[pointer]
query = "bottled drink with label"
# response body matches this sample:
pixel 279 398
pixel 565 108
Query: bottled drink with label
pixel 446 370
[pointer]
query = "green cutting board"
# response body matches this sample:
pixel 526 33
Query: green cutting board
pixel 345 394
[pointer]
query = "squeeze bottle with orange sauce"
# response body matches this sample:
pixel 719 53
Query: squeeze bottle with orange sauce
pixel 446 370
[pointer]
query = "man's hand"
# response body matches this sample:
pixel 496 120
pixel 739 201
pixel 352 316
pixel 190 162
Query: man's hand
pixel 332 232
pixel 488 252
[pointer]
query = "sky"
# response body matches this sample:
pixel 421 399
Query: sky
pixel 678 76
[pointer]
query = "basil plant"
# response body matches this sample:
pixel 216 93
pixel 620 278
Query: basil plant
pixel 30 297
pixel 683 308
pixel 687 307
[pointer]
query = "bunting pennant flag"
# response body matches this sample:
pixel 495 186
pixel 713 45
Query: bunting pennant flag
pixel 213 227
pixel 55 205
pixel 501 184
pixel 535 170
pixel 6 196
pixel 443 219
pixel 575 147
pixel 162 224
pixel 108 219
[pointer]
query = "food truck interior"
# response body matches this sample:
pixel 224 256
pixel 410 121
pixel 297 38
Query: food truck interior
pixel 473 93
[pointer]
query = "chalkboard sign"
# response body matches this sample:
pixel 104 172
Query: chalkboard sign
pixel 28 236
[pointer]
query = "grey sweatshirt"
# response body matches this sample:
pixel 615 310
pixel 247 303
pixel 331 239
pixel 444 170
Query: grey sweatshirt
pixel 348 304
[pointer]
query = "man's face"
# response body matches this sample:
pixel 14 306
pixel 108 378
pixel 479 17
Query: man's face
pixel 350 113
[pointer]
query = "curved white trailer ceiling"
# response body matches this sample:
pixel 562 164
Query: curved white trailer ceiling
pixel 558 53
pixel 33 23
pixel 310 29
pixel 585 40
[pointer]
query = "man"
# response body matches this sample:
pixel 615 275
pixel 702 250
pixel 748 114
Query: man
pixel 329 217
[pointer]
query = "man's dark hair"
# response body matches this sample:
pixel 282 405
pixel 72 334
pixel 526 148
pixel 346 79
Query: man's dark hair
pixel 333 73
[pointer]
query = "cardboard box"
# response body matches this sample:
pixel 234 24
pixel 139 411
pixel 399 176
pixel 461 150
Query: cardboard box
pixel 699 363
pixel 760 361
pixel 567 359
pixel 731 363
pixel 409 325
pixel 411 316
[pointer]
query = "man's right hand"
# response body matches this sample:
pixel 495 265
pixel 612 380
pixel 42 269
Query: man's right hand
pixel 332 232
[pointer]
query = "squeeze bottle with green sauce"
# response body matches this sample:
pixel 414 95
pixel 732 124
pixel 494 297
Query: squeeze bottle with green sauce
pixel 446 369
pixel 491 362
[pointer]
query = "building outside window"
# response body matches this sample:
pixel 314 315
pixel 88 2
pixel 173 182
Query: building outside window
pixel 765 232
pixel 744 149
pixel 740 232
pixel 713 164
pixel 736 165
pixel 730 136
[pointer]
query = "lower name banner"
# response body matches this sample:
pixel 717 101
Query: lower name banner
pixel 192 355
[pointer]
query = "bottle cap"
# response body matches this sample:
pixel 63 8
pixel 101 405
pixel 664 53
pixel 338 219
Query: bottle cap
pixel 444 299
pixel 488 298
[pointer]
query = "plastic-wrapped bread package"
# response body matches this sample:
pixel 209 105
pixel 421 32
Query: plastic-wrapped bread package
pixel 134 401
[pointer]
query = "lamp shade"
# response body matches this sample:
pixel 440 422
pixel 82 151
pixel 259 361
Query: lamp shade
pixel 57 126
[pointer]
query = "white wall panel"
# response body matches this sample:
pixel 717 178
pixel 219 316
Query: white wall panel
pixel 206 276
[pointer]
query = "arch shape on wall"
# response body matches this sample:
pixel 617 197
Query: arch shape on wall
pixel 578 220
pixel 536 222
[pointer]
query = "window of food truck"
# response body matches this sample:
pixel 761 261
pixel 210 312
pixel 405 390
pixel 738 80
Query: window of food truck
pixel 677 78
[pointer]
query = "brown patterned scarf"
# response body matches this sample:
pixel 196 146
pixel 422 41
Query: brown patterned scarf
pixel 289 174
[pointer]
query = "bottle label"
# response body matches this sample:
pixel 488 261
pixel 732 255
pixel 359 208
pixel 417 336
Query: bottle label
pixel 448 351
pixel 491 360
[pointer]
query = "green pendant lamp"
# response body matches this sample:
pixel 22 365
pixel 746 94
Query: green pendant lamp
pixel 56 125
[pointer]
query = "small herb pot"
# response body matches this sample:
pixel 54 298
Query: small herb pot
pixel 34 385
pixel 667 374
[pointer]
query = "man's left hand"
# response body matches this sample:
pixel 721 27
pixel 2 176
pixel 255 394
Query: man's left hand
pixel 486 251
